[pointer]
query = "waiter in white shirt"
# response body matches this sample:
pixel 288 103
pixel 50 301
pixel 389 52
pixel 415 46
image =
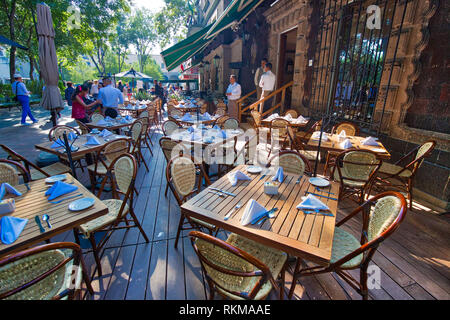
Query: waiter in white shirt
pixel 267 85
pixel 258 74
pixel 233 95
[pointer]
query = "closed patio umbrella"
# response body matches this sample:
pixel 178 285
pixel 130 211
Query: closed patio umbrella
pixel 51 99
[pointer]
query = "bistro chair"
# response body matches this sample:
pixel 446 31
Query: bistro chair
pixel 232 155
pixel 355 170
pixel 56 133
pixel 36 173
pixel 278 135
pixel 221 120
pixel 239 268
pixel 183 180
pixel 82 127
pixel 48 272
pixel 292 112
pixel 96 117
pixel 231 124
pixel 257 117
pixel 176 113
pixel 136 132
pixel 350 129
pixel 169 127
pixel 299 146
pixel 398 177
pixel 104 157
pixel 152 117
pixel 171 149
pixel 11 171
pixel 220 112
pixel 381 216
pixel 304 136
pixel 291 162
pixel 122 174
pixel 146 138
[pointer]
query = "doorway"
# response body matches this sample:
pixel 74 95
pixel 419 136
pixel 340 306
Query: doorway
pixel 288 45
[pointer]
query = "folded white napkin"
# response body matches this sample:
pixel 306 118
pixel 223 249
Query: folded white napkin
pixel 346 144
pixel 273 116
pixel 288 117
pixel 279 176
pixel 312 203
pixel 370 141
pixel 300 119
pixel 316 136
pixel 235 177
pixel 252 211
pixel 343 134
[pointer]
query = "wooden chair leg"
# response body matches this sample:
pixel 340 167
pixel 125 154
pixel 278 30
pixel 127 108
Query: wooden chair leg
pixel 363 282
pixel 143 160
pixel 167 189
pixel 136 222
pixel 294 278
pixel 95 252
pixel 180 227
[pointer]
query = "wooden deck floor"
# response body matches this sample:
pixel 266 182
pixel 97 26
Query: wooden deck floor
pixel 414 262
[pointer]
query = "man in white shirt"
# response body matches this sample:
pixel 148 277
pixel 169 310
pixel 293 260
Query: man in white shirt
pixel 110 98
pixel 267 84
pixel 258 74
pixel 94 89
pixel 233 95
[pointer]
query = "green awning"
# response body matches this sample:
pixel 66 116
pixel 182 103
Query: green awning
pixel 183 50
pixel 235 13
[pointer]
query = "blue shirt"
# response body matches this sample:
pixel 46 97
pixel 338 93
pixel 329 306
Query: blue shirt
pixel 110 97
pixel 19 89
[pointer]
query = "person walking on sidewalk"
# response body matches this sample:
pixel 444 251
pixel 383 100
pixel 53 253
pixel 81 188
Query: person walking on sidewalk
pixel 23 96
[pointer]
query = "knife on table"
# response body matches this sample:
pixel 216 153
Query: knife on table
pixel 224 192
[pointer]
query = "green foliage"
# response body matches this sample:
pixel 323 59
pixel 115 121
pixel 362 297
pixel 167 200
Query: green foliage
pixel 6 90
pixel 35 87
pixel 142 95
pixel 172 21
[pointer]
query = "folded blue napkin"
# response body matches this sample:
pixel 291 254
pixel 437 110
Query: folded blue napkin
pixel 253 212
pixel 72 136
pixel 92 141
pixel 224 134
pixel 279 176
pixel 206 116
pixel 186 117
pixel 7 188
pixel 102 122
pixel 129 118
pixel 11 228
pixel 190 129
pixel 235 177
pixel 216 127
pixel 108 119
pixel 58 144
pixel 59 189
pixel 105 133
pixel 123 121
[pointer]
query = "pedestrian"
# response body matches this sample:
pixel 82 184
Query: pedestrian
pixel 258 74
pixel 94 90
pixel 267 84
pixel 68 93
pixel 120 86
pixel 110 98
pixel 79 107
pixel 23 96
pixel 129 92
pixel 233 95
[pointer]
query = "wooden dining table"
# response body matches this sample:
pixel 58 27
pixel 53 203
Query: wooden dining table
pixel 309 236
pixel 295 125
pixel 334 144
pixel 115 125
pixel 134 111
pixel 34 203
pixel 80 145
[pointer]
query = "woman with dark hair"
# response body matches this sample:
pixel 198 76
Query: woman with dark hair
pixel 78 106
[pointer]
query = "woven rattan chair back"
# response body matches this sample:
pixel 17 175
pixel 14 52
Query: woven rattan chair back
pixel 183 175
pixel 292 162
pixel 116 148
pixel 82 127
pixel 257 117
pixel 229 268
pixel 176 113
pixel 125 170
pixel 231 124
pixel 11 171
pixel 169 127
pixel 58 132
pixel 221 120
pixel 171 148
pixel 279 128
pixel 292 112
pixel 96 117
pixel 42 273
pixel 143 115
pixel 220 112
pixel 357 165
pixel 423 152
pixel 349 128
pixel 136 131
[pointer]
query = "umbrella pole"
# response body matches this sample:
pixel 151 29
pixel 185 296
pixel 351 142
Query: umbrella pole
pixel 69 155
